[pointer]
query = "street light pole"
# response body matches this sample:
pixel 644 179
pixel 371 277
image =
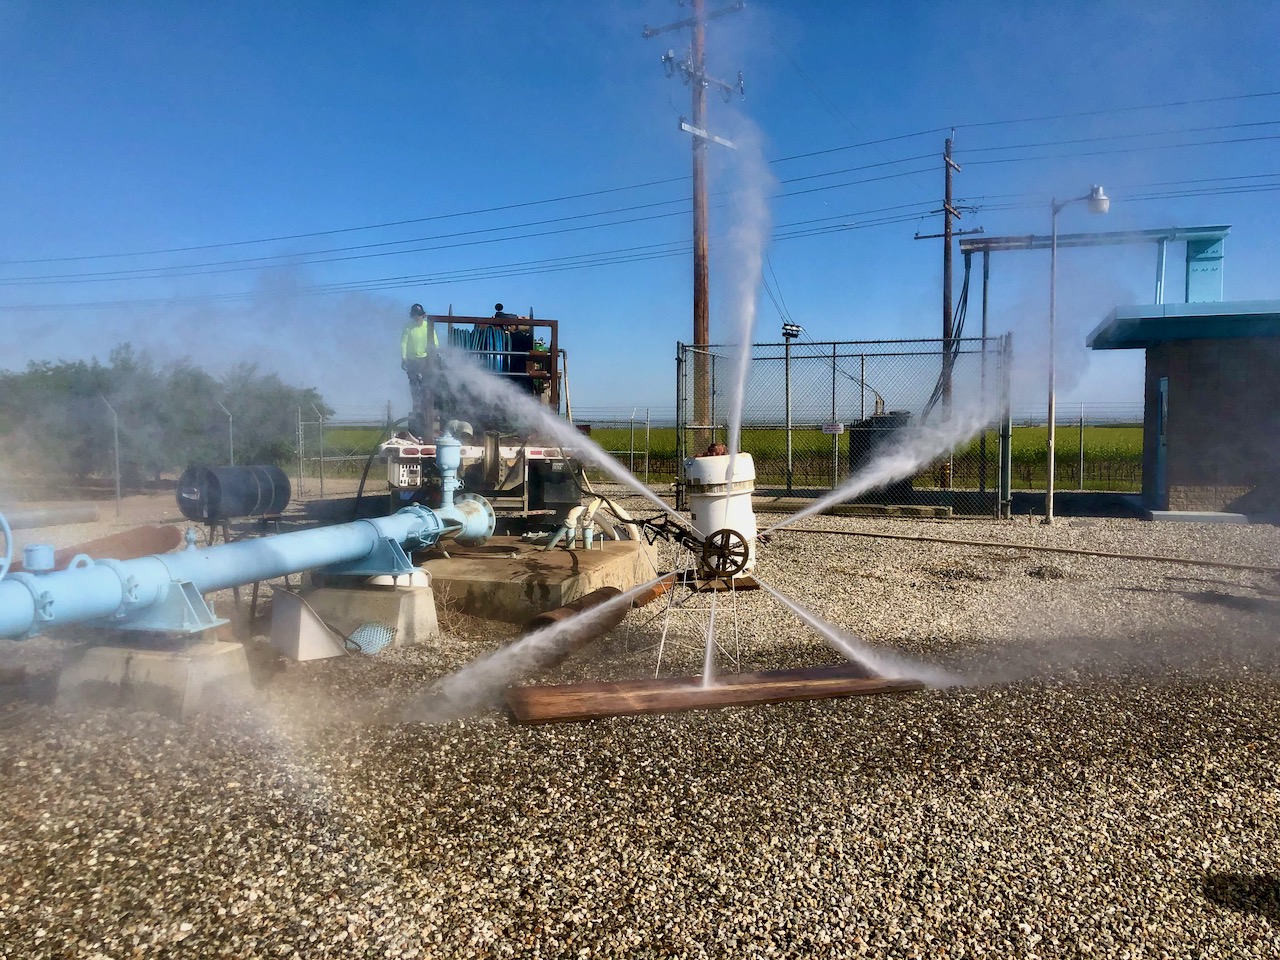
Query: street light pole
pixel 789 332
pixel 1099 202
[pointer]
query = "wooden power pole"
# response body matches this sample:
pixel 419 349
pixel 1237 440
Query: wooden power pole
pixel 693 70
pixel 948 211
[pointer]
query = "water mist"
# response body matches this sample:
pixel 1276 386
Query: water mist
pixel 744 262
pixel 914 449
pixel 476 684
pixel 883 663
pixel 460 375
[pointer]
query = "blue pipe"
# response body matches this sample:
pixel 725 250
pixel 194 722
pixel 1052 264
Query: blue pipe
pixel 112 592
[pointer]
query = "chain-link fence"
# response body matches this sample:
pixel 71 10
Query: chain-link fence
pixel 1097 447
pixel 332 454
pixel 812 414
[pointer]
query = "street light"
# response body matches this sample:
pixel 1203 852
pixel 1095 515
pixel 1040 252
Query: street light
pixel 789 332
pixel 1099 202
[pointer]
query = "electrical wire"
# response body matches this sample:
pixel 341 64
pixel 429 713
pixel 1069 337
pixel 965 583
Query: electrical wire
pixel 1122 150
pixel 636 186
pixel 294 260
pixel 1121 136
pixel 1130 109
pixel 642 253
pixel 364 474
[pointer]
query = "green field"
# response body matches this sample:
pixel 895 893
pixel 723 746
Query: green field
pixel 1112 455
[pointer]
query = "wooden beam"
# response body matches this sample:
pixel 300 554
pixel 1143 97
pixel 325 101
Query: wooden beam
pixel 586 701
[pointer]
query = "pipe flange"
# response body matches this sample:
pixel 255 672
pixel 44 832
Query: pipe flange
pixel 725 553
pixel 482 519
pixel 128 582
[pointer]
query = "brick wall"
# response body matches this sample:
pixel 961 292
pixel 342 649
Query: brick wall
pixel 1224 420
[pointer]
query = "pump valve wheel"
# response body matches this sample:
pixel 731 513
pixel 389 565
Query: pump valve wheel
pixel 725 553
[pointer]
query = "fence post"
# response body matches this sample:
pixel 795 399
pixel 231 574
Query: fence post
pixel 682 423
pixel 631 447
pixel 320 417
pixel 982 439
pixel 231 434
pixel 300 437
pixel 647 445
pixel 835 437
pixel 862 390
pixel 1080 483
pixel 1006 428
pixel 712 420
pixel 115 433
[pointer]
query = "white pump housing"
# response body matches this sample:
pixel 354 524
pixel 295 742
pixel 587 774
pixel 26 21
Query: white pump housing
pixel 717 505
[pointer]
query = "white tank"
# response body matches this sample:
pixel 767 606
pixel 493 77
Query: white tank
pixel 717 505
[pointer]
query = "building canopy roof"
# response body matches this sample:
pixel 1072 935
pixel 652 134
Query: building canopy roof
pixel 1142 326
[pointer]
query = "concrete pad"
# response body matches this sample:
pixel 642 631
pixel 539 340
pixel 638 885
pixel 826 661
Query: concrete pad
pixel 512 581
pixel 409 613
pixel 1196 516
pixel 175 682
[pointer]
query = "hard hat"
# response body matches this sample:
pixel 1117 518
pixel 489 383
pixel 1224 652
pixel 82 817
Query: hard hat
pixel 417 311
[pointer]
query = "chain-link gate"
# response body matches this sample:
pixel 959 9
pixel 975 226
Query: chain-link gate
pixel 815 413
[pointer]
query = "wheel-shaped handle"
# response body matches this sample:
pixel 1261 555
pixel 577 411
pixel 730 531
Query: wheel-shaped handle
pixel 725 553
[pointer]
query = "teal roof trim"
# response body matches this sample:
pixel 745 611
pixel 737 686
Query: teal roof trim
pixel 1129 327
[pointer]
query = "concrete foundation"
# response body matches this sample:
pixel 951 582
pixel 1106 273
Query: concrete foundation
pixel 513 581
pixel 175 682
pixel 408 613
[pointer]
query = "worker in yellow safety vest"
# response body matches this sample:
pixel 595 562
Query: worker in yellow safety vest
pixel 417 344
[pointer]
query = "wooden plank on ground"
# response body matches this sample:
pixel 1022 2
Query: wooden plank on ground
pixel 127 545
pixel 586 701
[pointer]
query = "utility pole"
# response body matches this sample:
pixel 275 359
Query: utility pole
pixel 693 71
pixel 948 211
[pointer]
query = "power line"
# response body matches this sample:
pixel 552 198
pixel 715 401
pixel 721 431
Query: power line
pixel 1132 109
pixel 497 272
pixel 337 230
pixel 1124 136
pixel 619 189
pixel 798 229
pixel 235 266
pixel 1122 150
pixel 1130 186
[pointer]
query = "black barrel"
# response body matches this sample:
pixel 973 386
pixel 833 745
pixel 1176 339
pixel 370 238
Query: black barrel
pixel 212 494
pixel 868 439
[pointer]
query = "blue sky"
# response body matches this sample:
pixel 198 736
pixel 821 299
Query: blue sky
pixel 330 163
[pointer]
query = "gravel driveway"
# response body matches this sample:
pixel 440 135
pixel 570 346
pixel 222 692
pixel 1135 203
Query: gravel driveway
pixel 1105 782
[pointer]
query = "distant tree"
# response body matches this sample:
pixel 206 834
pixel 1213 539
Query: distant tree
pixel 54 417
pixel 266 414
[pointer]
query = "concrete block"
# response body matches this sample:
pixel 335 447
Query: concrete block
pixel 176 682
pixel 297 631
pixel 409 612
pixel 513 582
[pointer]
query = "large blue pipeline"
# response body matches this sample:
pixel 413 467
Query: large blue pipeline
pixel 164 592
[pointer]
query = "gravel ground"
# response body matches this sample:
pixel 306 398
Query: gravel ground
pixel 1104 783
